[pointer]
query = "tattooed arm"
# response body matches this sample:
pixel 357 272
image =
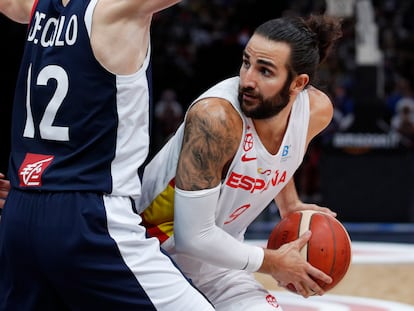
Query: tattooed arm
pixel 212 134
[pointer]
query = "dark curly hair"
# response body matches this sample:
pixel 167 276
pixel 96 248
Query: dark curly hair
pixel 310 40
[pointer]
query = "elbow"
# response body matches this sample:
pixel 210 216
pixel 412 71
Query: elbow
pixel 186 245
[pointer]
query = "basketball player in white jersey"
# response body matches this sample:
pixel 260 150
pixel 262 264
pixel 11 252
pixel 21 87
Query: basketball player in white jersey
pixel 237 150
pixel 70 237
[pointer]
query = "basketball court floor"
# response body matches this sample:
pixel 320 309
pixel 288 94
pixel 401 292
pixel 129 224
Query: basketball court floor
pixel 380 278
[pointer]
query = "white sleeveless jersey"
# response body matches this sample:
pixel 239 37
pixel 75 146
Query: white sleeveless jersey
pixel 253 179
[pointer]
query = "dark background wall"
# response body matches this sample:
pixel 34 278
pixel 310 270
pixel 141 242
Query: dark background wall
pixel 12 35
pixel 376 186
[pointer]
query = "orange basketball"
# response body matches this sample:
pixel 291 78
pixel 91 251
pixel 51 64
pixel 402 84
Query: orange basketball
pixel 328 249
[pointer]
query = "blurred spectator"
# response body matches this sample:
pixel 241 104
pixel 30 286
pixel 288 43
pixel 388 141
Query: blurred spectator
pixel 402 90
pixel 307 177
pixel 343 106
pixel 403 121
pixel 168 115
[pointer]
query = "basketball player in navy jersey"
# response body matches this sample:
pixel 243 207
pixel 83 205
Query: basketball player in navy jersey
pixel 237 150
pixel 69 236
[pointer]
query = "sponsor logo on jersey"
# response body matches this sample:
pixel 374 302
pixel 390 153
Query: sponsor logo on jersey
pixel 285 153
pixel 246 158
pixel 253 184
pixel 32 168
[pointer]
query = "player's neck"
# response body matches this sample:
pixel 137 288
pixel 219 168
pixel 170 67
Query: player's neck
pixel 271 132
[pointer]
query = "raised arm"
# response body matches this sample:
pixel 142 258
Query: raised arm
pixel 123 54
pixel 17 10
pixel 153 6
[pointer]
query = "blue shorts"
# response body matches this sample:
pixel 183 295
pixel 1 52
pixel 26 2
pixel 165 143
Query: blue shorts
pixel 85 251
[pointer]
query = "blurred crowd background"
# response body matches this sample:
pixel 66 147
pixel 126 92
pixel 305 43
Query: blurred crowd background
pixel 362 165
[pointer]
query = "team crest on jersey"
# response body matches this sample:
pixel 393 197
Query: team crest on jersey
pixel 272 301
pixel 248 142
pixel 32 168
pixel 247 146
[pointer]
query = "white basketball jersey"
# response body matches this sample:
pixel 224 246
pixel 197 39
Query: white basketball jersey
pixel 253 179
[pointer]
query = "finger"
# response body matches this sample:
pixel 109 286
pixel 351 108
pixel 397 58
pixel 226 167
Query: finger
pixel 316 274
pixel 301 290
pixel 2 175
pixel 322 209
pixel 328 211
pixel 303 239
pixel 313 288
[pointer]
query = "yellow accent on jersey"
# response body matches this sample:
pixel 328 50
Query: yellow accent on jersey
pixel 159 215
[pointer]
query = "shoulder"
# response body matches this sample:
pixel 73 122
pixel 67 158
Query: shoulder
pixel 318 99
pixel 321 111
pixel 212 134
pixel 216 113
pixel 214 108
pixel 216 121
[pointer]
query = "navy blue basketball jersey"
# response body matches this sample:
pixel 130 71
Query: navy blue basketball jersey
pixel 76 126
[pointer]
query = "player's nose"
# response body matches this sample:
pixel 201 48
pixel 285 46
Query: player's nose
pixel 249 79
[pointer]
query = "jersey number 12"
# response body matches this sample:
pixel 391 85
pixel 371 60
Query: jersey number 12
pixel 46 129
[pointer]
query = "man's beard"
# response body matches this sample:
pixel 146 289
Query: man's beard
pixel 267 107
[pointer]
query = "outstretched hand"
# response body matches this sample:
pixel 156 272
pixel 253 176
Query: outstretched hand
pixel 287 266
pixel 4 189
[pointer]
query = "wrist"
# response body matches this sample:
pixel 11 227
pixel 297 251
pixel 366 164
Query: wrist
pixel 255 259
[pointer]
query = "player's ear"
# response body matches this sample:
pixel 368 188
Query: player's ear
pixel 299 83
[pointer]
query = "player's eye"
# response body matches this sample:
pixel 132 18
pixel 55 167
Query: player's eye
pixel 266 72
pixel 246 63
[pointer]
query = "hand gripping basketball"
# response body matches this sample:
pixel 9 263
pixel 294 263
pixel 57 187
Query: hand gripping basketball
pixel 328 249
